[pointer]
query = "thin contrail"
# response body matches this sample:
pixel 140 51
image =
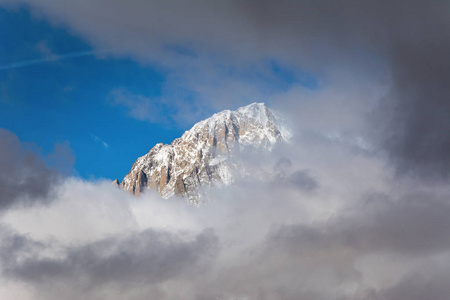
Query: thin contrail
pixel 32 62
pixel 99 140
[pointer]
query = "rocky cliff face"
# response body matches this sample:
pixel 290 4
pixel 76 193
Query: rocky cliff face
pixel 204 155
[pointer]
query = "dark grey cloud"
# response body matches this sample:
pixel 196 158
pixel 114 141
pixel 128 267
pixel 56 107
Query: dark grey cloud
pixel 24 176
pixel 428 283
pixel 412 124
pixel 131 262
pixel 13 245
pixel 300 179
pixel 303 180
pixel 412 230
pixel 413 119
pixel 416 224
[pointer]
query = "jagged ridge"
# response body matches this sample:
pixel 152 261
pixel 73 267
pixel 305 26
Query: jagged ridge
pixel 203 155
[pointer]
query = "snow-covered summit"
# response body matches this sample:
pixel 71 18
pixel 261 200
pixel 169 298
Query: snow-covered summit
pixel 203 156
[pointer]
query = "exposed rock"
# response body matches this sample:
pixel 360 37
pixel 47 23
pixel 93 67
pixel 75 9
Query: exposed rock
pixel 203 156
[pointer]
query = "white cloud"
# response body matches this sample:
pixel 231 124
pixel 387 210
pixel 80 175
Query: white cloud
pixel 99 140
pixel 357 234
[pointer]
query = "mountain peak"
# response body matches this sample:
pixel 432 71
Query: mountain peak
pixel 253 106
pixel 204 155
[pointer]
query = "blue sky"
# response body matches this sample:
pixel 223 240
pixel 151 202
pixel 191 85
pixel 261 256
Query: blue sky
pixel 56 88
pixel 52 102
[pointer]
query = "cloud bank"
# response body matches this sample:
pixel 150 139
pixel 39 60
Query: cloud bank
pixel 25 178
pixel 336 225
